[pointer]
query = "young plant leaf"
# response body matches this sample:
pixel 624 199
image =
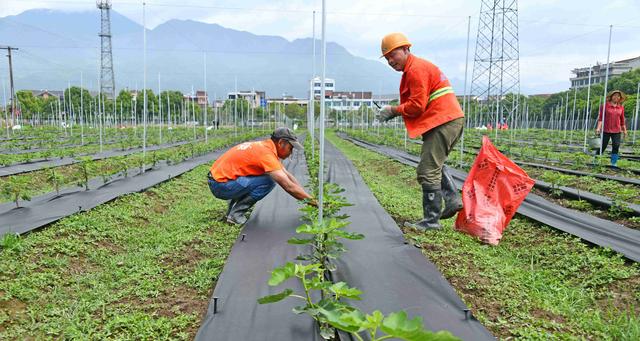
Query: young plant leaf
pixel 341 289
pixel 300 241
pixel 275 298
pixel 333 311
pixel 349 235
pixel 398 325
pixel 281 274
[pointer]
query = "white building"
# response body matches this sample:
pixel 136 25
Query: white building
pixel 329 87
pixel 255 98
pixel 598 72
pixel 348 100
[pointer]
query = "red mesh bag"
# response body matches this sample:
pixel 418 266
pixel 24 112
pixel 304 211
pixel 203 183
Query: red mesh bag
pixel 492 193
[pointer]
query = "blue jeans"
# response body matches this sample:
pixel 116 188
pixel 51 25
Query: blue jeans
pixel 256 186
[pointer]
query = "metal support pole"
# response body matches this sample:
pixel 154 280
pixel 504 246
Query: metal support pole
pixel 464 98
pixel 81 110
pixel 635 115
pixel 11 87
pixel 313 97
pixel 144 86
pixel 587 112
pixel 206 99
pixel 606 83
pixel 322 112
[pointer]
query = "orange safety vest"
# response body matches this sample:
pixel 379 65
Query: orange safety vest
pixel 427 99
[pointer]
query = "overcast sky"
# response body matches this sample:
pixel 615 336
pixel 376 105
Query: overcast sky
pixel 555 35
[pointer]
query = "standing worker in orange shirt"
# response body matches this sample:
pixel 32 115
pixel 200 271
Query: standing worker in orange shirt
pixel 249 171
pixel 429 108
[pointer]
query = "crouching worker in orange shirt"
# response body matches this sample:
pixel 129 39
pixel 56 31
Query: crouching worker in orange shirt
pixel 247 172
pixel 429 109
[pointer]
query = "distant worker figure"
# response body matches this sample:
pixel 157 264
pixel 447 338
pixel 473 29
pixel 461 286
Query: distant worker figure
pixel 613 123
pixel 429 108
pixel 247 172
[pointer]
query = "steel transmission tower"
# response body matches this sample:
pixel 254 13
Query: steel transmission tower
pixel 107 82
pixel 496 67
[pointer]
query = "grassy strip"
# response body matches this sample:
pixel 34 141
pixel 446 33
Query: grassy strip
pixel 140 267
pixel 537 284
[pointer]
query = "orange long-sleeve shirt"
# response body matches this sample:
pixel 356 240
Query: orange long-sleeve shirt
pixel 426 97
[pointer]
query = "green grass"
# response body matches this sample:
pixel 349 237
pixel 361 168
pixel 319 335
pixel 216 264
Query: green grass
pixel 140 267
pixel 538 283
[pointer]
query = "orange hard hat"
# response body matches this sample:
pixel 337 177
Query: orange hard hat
pixel 392 41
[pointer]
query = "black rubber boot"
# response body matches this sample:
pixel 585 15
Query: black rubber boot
pixel 237 214
pixel 229 207
pixel 431 207
pixel 450 194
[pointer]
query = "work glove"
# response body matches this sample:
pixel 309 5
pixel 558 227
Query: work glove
pixel 386 113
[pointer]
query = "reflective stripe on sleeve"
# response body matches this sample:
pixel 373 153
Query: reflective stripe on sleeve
pixel 440 92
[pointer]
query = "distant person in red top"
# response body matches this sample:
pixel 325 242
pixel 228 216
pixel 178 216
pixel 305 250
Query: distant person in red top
pixel 249 171
pixel 430 109
pixel 613 123
pixel 489 126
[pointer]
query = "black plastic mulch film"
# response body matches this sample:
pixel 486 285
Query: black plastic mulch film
pixel 261 247
pixel 393 274
pixel 595 230
pixel 47 208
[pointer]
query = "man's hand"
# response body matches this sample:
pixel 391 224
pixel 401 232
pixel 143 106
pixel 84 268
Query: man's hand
pixel 597 131
pixel 386 113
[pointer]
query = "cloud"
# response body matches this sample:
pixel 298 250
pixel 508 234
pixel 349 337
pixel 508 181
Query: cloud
pixel 555 35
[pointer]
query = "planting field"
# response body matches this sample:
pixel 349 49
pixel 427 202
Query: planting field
pixel 538 283
pixel 233 172
pixel 147 265
pixel 620 187
pixel 140 267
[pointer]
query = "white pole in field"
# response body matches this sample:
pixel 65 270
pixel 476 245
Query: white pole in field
pixel 573 113
pixel 313 103
pixel 322 112
pixel 193 112
pixel 606 83
pixel 169 111
pixel 81 110
pixel 159 110
pixel 206 98
pixel 586 115
pixel 252 108
pixel 635 115
pixel 235 107
pixel 71 111
pixel 566 115
pixel 6 115
pixel 144 85
pixel 100 114
pixel 464 98
pixel 65 110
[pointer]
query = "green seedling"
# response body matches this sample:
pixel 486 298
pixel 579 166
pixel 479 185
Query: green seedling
pixel 83 168
pixel 55 179
pixel 16 188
